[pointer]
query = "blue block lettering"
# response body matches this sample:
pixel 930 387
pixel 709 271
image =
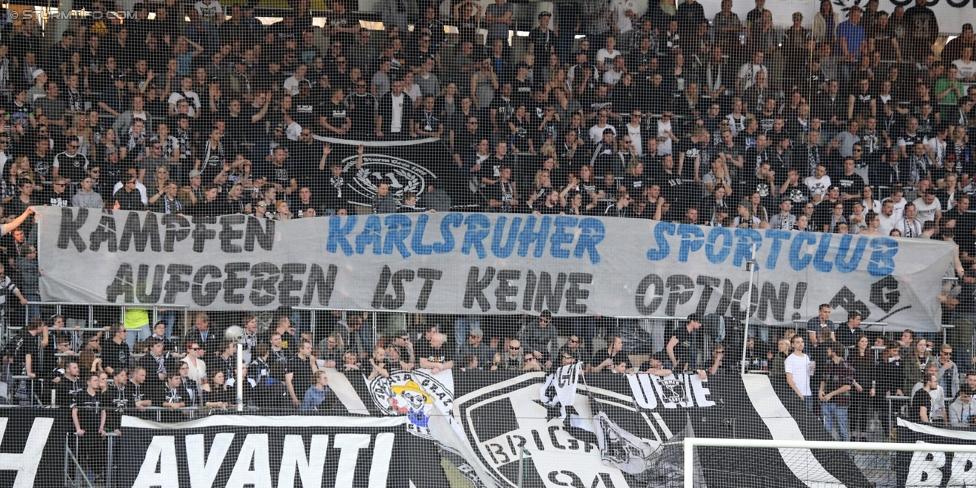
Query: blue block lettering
pixel 496 241
pixel 663 248
pixel 843 264
pixel 692 239
pixel 745 238
pixel 560 236
pixel 447 245
pixel 372 234
pixel 399 226
pixel 417 243
pixel 798 262
pixel 478 228
pixel 718 254
pixel 883 256
pixel 338 234
pixel 592 232
pixel 530 236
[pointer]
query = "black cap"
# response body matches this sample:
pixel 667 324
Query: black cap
pixel 545 13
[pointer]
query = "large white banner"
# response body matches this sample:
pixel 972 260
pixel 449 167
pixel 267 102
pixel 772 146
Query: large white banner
pixel 461 263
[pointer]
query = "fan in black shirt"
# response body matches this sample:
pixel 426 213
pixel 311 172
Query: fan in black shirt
pixel 68 384
pixel 117 400
pixel 115 351
pixel 88 416
pixel 301 368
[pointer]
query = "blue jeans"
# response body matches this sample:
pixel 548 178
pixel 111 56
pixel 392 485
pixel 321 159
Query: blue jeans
pixel 168 316
pixel 761 331
pixel 463 326
pixel 835 419
pixel 585 328
pixel 132 336
pixel 808 400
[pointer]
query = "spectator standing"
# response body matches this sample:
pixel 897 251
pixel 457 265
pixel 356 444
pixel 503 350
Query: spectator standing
pixel 500 17
pixel 837 378
pixel 948 372
pixel 777 368
pixel 435 356
pixel 799 368
pixel 821 321
pixel 541 339
pixel 918 360
pixel 890 371
pixel 923 29
pixel 596 15
pixel 681 346
pixel 920 408
pixel 861 358
pixel 849 333
pixel 301 370
pixel 961 412
pixel 88 415
pixel 852 39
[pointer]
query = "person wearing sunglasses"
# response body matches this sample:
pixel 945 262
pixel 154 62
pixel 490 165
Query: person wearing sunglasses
pixel 541 339
pixel 510 358
pixel 70 164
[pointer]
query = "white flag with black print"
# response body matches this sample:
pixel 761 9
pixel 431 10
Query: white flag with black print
pixel 619 448
pixel 559 389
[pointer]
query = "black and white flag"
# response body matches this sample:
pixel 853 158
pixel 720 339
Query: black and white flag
pixel 559 389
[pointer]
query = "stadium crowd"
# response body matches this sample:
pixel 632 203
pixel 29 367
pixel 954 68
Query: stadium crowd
pixel 851 122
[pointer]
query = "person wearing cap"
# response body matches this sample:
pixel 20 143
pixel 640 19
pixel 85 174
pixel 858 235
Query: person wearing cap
pixel 542 39
pixel 583 71
pixel 681 346
pixel 194 191
pixel 953 49
pixel 540 338
pixel 605 158
pixel 474 346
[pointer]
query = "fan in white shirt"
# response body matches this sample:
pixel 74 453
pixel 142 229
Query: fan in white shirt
pixel 928 207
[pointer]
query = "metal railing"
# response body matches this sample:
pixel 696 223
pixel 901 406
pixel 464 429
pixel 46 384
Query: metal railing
pixel 70 458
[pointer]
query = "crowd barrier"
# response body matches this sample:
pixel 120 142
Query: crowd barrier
pixel 495 429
